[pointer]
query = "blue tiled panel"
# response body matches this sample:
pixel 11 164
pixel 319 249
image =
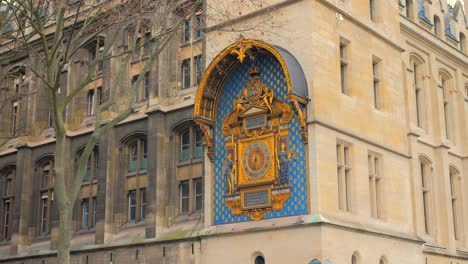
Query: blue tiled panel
pixel 273 76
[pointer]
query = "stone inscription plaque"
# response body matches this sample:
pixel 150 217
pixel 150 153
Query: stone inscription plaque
pixel 254 122
pixel 256 199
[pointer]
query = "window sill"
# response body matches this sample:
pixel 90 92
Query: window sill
pixel 132 224
pixel 83 231
pixel 42 237
pixel 135 173
pixel 86 183
pixel 189 162
pixel 189 216
pixel 190 42
pixel 5 242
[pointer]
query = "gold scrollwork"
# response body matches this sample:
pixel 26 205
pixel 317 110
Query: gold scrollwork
pixel 235 206
pixel 278 200
pixel 256 132
pixel 229 50
pixel 208 139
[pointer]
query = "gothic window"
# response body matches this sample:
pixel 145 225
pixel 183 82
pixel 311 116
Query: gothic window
pixel 136 205
pixel 199 24
pixel 146 86
pixel 344 65
pixel 135 178
pixel 198 194
pixel 143 43
pixel 14 87
pixel 92 165
pixel 343 159
pixel 88 212
pixel 426 190
pixel 375 184
pixel 447 106
pixel 85 213
pixel 184 194
pixel 455 195
pixel 193 26
pixel 418 88
pixel 376 83
pixel 95 49
pixel 45 174
pixel 14 118
pixel 7 177
pixel 187 31
pixel 137 155
pixel 354 259
pixel 259 260
pixel 186 76
pixel 198 61
pixel 132 205
pixel 191 144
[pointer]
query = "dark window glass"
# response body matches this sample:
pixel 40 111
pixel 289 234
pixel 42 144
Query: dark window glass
pixel 144 155
pixel 132 205
pixel 143 203
pixel 259 260
pixel 187 30
pixel 44 215
pixel 133 157
pixel 198 189
pixel 198 68
pixel 198 143
pixel 186 74
pixel 184 196
pixel 185 146
pixel 85 213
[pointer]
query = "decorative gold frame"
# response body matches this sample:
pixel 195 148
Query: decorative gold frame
pixel 263 188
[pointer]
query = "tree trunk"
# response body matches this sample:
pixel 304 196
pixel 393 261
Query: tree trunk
pixel 65 227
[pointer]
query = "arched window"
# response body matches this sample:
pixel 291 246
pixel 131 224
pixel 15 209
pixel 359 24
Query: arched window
pixel 44 171
pixel 383 260
pixel 418 87
pixel 189 182
pixel 445 85
pixel 13 86
pixel 88 196
pixel 259 260
pixel 355 258
pixel 7 177
pixel 455 195
pixel 136 154
pixel 426 190
pixel 191 143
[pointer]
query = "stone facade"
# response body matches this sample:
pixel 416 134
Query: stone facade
pixel 385 159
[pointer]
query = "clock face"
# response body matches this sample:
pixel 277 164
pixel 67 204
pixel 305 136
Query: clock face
pixel 256 159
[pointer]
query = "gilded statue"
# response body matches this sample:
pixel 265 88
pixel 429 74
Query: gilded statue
pixel 228 174
pixel 283 158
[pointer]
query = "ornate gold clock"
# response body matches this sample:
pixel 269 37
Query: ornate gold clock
pixel 256 135
pixel 257 160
